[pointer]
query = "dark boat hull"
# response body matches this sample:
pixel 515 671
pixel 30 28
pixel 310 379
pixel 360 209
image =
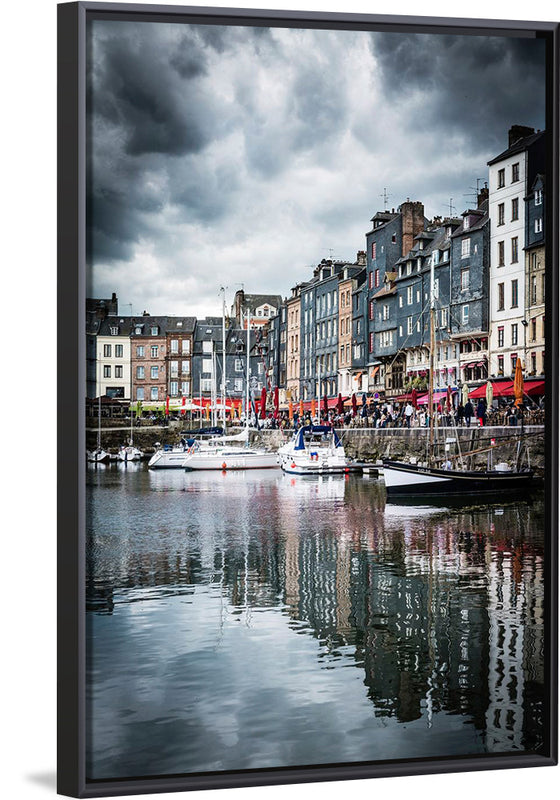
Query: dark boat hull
pixel 412 480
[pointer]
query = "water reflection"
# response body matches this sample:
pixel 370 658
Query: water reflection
pixel 245 620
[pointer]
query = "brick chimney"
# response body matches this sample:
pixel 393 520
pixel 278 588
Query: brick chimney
pixel 517 132
pixel 482 195
pixel 412 223
pixel 361 258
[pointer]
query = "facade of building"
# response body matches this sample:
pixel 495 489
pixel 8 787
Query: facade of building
pixel 293 313
pixel 113 377
pixel 326 328
pixel 179 348
pixel 261 308
pixel 511 174
pixel 535 281
pixel 148 348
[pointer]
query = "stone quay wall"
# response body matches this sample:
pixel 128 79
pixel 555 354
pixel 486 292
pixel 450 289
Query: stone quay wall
pixel 368 444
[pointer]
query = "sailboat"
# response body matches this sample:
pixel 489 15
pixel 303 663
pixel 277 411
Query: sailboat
pixel 129 452
pixel 225 456
pixel 433 479
pixel 98 456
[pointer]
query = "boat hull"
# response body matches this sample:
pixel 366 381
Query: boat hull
pixel 172 459
pixel 302 465
pixel 224 461
pixel 410 479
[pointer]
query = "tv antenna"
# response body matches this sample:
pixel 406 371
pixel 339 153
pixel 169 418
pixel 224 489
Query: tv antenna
pixel 475 191
pixel 450 207
pixel 385 197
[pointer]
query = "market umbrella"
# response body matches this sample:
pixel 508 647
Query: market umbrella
pixel 448 399
pixel 167 406
pixel 325 404
pixel 489 394
pixel 518 383
pixel 276 402
pixel 301 408
pixel 364 399
pixel 313 407
pixel 339 404
pixel 263 404
pixel 465 393
pixel 139 408
pixel 290 410
pixel 183 406
pixel 354 405
pixel 414 398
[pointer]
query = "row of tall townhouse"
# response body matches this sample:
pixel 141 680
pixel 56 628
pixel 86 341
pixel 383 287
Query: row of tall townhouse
pixel 150 358
pixel 364 326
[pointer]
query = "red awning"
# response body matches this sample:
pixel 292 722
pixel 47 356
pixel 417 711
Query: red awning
pixel 534 388
pixel 502 389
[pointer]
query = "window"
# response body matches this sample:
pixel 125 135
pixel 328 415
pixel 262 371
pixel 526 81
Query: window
pixel 533 289
pixel 514 294
pixel 114 330
pixel 370 280
pixel 154 351
pixel 501 297
pixel 538 225
pixel 140 393
pixel 515 208
pixel 409 295
pixel 533 363
pixel 443 318
pixel 376 279
pixel 238 385
pixel 385 312
pixel 174 388
pixel 436 288
pixel 154 373
pixel 154 330
pixel 464 315
pixel 500 365
pixel 513 361
pixel 538 197
pixel 185 387
pixel 409 325
pixel 118 371
pixel 465 247
pixel 138 330
pixel 174 345
pixel 119 351
pixel 466 222
pixel 174 369
pixel 206 385
pixel 514 331
pixel 185 367
pixel 207 365
pixel 140 373
pixel 154 393
pixel 373 249
pixel 401 301
pixel 500 336
pixel 501 254
pixel 514 250
pixel 417 295
pixel 465 274
pixel 107 371
pixel 501 213
pixel 140 351
pixel 207 346
pixel 106 351
pixel 515 172
pixel 238 364
pixel 533 329
pixel 501 178
pixel 394 238
pixel 186 346
pixel 371 343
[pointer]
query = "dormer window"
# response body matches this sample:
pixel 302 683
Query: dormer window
pixel 179 323
pixel 114 330
pixel 138 330
pixel 466 223
pixel 538 197
pixel 154 330
pixel 421 244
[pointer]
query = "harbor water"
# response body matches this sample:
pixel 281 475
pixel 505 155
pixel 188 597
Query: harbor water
pixel 244 620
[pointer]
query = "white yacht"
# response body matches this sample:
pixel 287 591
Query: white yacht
pixel 314 450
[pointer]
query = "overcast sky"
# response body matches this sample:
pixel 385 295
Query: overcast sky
pixel 229 156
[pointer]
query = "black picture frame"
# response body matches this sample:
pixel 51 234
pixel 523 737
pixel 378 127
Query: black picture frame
pixel 72 380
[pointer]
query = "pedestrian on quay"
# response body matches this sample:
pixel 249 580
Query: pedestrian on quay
pixel 469 413
pixel 460 414
pixel 408 413
pixel 481 411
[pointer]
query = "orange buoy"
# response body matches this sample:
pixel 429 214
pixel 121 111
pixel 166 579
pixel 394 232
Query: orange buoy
pixel 224 465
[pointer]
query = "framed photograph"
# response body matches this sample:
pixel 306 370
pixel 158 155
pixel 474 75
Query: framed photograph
pixel 308 389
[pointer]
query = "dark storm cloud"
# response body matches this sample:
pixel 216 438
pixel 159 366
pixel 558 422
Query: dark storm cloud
pixel 476 85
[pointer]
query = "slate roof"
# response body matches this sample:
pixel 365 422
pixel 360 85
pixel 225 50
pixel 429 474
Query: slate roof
pixel 518 147
pixel 124 325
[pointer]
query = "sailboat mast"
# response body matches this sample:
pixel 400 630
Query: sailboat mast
pixel 247 374
pixel 223 357
pixel 214 387
pixel 99 424
pixel 432 353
